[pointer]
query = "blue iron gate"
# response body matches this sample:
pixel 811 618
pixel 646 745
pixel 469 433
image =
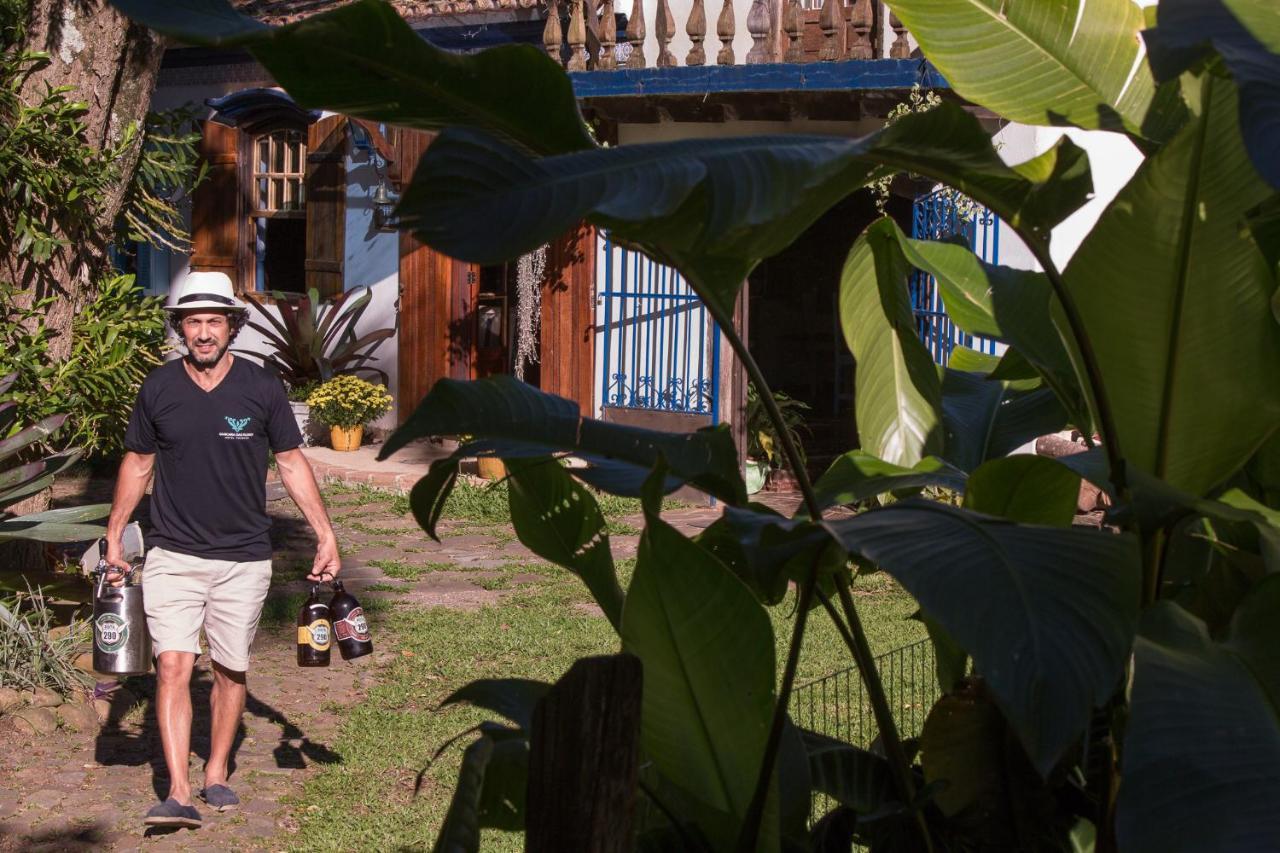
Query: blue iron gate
pixel 936 217
pixel 659 348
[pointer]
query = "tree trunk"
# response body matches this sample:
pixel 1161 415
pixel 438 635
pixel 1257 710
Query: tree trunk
pixel 112 64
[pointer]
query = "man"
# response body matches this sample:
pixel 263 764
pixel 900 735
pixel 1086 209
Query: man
pixel 203 425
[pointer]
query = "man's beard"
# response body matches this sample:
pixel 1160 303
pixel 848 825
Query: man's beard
pixel 210 360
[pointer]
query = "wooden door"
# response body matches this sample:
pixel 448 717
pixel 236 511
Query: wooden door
pixel 437 300
pixel 568 318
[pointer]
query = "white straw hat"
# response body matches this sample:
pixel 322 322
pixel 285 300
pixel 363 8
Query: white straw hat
pixel 204 290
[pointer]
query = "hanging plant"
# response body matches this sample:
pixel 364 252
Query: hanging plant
pixel 529 271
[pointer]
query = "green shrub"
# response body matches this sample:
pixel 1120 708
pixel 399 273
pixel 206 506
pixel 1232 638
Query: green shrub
pixel 116 339
pixel 33 653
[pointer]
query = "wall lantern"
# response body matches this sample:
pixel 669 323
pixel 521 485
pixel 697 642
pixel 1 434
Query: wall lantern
pixel 384 206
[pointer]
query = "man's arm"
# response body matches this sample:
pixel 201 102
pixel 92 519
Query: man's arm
pixel 300 482
pixel 131 485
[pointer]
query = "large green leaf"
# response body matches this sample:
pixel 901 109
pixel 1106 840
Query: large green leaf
pixel 1202 744
pixel 1175 296
pixel 762 547
pixel 858 475
pixel 363 60
pixel 1026 489
pixel 853 777
pixel 899 398
pixel 1010 305
pixel 519 421
pixel 708 652
pixel 1039 62
pixel 986 418
pixel 1188 30
pixel 461 830
pixel 48 531
pixel 1047 613
pixel 559 520
pixel 714 207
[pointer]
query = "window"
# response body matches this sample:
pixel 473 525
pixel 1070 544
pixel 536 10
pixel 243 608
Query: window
pixel 279 212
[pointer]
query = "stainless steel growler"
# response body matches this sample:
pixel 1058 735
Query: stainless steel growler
pixel 121 644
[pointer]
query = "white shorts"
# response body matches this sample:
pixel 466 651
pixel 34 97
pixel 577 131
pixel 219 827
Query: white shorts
pixel 182 593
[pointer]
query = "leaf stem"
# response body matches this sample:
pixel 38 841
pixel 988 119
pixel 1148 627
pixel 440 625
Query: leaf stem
pixel 1093 372
pixel 868 673
pixel 861 649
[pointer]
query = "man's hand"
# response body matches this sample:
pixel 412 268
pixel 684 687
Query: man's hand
pixel 327 564
pixel 115 559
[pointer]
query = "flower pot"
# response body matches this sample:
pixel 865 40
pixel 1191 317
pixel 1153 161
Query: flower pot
pixel 491 467
pixel 757 473
pixel 313 431
pixel 346 438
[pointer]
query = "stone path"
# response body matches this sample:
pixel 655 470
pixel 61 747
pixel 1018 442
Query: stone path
pixel 70 791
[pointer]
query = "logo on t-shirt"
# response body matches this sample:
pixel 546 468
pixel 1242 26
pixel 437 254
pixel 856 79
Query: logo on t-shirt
pixel 238 425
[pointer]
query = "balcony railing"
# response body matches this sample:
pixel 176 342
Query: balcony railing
pixel 587 35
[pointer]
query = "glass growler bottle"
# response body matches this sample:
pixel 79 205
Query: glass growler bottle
pixel 314 630
pixel 349 625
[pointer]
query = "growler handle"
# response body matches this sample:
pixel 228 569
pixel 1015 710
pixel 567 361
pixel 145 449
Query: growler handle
pixel 102 579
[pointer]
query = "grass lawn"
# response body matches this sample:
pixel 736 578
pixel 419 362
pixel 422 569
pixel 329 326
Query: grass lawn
pixel 367 800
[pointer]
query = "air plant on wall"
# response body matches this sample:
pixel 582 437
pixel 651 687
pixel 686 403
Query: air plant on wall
pixel 529 271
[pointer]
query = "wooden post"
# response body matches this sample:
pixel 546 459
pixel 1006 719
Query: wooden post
pixel 696 27
pixel 608 37
pixel 861 27
pixel 577 37
pixel 901 48
pixel 794 28
pixel 758 25
pixel 664 27
pixel 584 759
pixel 551 36
pixel 725 31
pixel 831 21
pixel 635 35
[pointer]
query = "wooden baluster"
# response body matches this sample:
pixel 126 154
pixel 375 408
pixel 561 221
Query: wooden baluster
pixel 861 27
pixel 831 22
pixel 551 39
pixel 608 37
pixel 792 26
pixel 664 27
pixel 901 48
pixel 577 37
pixel 758 26
pixel 635 35
pixel 726 28
pixel 697 30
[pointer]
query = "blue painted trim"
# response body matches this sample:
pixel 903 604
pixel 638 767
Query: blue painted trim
pixel 854 74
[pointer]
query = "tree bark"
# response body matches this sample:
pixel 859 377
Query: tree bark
pixel 112 65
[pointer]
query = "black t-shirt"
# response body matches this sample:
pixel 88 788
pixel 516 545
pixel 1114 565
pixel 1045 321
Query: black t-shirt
pixel 209 497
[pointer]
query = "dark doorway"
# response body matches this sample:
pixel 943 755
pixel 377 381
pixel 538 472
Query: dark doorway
pixel 794 324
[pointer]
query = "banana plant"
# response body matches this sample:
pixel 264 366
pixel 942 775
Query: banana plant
pixel 25 472
pixel 1155 637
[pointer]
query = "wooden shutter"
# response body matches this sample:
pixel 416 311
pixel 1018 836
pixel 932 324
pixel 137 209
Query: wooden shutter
pixel 217 213
pixel 567 341
pixel 326 204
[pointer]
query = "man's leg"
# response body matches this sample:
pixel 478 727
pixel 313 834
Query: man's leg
pixel 173 714
pixel 228 706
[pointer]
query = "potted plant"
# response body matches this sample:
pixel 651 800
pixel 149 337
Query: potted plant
pixel 345 404
pixel 763 440
pixel 311 341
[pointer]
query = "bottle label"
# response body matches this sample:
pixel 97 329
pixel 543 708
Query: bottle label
pixel 110 632
pixel 353 627
pixel 315 635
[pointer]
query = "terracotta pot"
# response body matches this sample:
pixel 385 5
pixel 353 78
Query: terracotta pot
pixel 490 467
pixel 346 438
